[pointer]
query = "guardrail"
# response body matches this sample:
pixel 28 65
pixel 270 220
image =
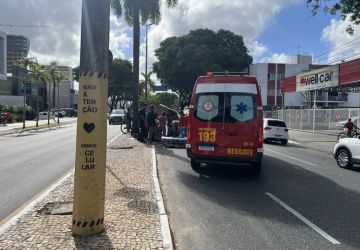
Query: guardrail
pixel 325 120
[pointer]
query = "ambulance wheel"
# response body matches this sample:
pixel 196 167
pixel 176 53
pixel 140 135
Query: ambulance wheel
pixel 195 165
pixel 256 168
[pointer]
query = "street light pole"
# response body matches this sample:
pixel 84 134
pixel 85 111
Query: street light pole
pixel 146 58
pixel 24 108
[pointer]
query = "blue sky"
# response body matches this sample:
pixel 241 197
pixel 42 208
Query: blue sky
pixel 295 31
pixel 273 30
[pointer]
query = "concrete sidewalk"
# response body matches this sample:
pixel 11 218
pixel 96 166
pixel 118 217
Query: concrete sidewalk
pixel 318 141
pixel 134 214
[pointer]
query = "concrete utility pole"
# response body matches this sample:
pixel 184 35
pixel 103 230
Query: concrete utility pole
pixel 89 187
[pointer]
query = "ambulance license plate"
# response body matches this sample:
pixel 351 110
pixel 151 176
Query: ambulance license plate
pixel 206 147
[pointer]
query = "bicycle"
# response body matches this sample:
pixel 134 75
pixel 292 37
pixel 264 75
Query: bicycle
pixel 355 133
pixel 125 126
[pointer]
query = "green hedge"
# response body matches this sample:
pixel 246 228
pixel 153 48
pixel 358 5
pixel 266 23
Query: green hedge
pixel 16 112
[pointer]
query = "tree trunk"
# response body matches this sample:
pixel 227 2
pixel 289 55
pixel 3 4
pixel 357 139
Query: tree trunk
pixel 53 95
pixel 136 53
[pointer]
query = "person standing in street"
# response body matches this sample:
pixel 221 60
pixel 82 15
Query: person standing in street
pixel 183 121
pixel 151 124
pixel 128 119
pixel 162 123
pixel 142 125
pixel 349 127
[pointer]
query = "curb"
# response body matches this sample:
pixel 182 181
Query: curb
pixel 315 132
pixel 164 220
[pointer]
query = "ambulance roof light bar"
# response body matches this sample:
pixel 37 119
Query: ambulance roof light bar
pixel 226 73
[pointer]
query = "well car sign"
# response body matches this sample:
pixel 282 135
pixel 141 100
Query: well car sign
pixel 318 79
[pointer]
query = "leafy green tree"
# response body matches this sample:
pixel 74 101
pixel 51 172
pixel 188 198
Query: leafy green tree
pixel 343 7
pixel 168 99
pixel 76 75
pixel 182 59
pixel 134 10
pixel 120 83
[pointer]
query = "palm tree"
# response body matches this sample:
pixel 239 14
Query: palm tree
pixel 148 11
pixel 34 74
pixel 54 75
pixel 149 81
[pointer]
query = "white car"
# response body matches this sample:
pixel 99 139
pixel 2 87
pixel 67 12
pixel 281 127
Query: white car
pixel 275 130
pixel 117 116
pixel 347 152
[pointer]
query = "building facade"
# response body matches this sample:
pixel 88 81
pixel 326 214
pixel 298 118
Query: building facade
pixel 332 86
pixel 17 48
pixel 3 55
pixel 269 76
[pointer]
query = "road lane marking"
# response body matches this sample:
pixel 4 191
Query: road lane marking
pixel 303 219
pixel 113 139
pixel 291 157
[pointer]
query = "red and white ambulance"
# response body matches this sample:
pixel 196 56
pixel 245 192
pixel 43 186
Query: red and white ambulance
pixel 225 121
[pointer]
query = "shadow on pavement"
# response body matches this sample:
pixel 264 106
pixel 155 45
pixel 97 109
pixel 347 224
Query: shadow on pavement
pixel 99 241
pixel 170 153
pixel 136 197
pixel 355 168
pixel 332 207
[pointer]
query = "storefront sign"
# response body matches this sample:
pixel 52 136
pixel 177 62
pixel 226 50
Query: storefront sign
pixel 318 79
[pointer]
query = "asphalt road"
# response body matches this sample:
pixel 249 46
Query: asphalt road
pixel 32 161
pixel 302 200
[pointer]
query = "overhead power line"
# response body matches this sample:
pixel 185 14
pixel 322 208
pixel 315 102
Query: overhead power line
pixel 337 47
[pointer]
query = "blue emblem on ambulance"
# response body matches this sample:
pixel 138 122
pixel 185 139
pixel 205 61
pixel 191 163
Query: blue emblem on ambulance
pixel 242 108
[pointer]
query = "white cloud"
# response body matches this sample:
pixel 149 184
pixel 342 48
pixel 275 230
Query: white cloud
pixel 246 18
pixel 61 42
pixel 119 40
pixel 256 49
pixel 344 46
pixel 277 58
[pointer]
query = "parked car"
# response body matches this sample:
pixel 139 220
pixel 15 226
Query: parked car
pixel 340 124
pixel 117 116
pixel 58 112
pixel 70 112
pixel 347 152
pixel 275 130
pixel 44 115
